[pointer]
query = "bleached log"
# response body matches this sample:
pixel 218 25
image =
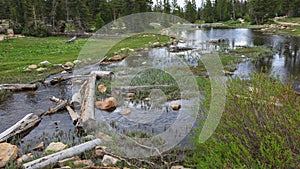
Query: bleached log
pixel 62 104
pixel 77 97
pixel 75 117
pixel 137 88
pixel 21 128
pixel 87 108
pixel 18 87
pixel 54 158
pixel 59 79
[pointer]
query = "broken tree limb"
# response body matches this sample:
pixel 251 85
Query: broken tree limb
pixel 87 108
pixel 77 97
pixel 21 128
pixel 75 117
pixel 59 79
pixel 18 87
pixel 62 104
pixel 54 158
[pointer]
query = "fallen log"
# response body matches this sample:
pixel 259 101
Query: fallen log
pixel 54 158
pixel 18 87
pixel 87 108
pixel 59 79
pixel 21 128
pixel 62 104
pixel 75 117
pixel 137 88
pixel 77 97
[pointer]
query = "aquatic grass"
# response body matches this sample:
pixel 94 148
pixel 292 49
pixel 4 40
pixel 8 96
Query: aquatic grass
pixel 254 132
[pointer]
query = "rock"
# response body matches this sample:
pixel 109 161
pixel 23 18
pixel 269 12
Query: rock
pixel 144 63
pixel 27 70
pixel 82 163
pixel 64 162
pixel 69 64
pixel 176 106
pixel 147 99
pixel 108 105
pixel 8 152
pixel 66 68
pixel 126 112
pixel 100 151
pixel 32 66
pixel 109 160
pixel 104 137
pixel 64 72
pixel 106 63
pixel 89 137
pixel 130 94
pixel 178 167
pixel 76 62
pixel 56 146
pixel 116 58
pixel 101 88
pixel 65 167
pixel 39 147
pixel 41 69
pixel 24 157
pixel 57 65
pixel 45 63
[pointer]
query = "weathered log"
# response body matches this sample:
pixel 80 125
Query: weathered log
pixel 87 108
pixel 18 87
pixel 59 79
pixel 54 158
pixel 137 88
pixel 21 128
pixel 62 104
pixel 77 97
pixel 75 117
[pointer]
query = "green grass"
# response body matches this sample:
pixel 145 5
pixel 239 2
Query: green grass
pixel 291 19
pixel 253 133
pixel 17 54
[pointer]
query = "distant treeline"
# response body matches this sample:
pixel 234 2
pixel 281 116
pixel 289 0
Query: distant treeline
pixel 41 17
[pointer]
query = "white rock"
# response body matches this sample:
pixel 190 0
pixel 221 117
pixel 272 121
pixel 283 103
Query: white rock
pixel 41 69
pixel 56 146
pixel 69 64
pixel 32 66
pixel 45 63
pixel 109 160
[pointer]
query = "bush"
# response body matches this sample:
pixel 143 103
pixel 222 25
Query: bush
pixel 253 131
pixel 232 22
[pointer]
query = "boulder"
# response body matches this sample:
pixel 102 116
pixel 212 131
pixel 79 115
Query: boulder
pixel 45 63
pixel 64 72
pixel 130 94
pixel 176 106
pixel 69 64
pixel 101 88
pixel 76 61
pixel 41 69
pixel 109 160
pixel 108 105
pixel 55 147
pixel 116 58
pixel 39 147
pixel 8 152
pixel 32 66
pixel 24 157
pixel 100 151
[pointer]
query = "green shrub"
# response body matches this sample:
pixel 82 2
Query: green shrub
pixel 253 131
pixel 38 30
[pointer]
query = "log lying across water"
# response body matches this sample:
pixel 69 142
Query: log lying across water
pixel 18 87
pixel 21 128
pixel 74 116
pixel 53 158
pixel 62 104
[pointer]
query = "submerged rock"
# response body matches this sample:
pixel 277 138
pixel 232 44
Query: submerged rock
pixel 176 106
pixel 126 112
pixel 8 152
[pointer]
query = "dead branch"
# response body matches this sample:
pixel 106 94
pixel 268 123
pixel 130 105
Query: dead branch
pixel 18 87
pixel 62 104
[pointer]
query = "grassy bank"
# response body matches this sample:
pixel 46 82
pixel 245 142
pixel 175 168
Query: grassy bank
pixel 17 54
pixel 259 128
